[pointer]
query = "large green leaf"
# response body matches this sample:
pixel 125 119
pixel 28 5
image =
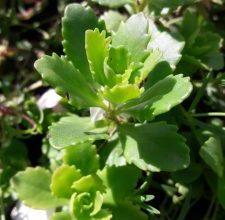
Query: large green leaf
pixel 61 74
pixel 61 216
pixel 120 182
pixel 97 49
pixel 83 156
pixel 159 98
pixel 169 47
pixel 127 211
pixel 72 130
pixel 75 22
pixel 113 3
pixel 211 152
pixel 148 145
pixel 33 188
pixel 133 35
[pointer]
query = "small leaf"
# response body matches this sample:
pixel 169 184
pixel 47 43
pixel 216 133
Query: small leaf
pixel 122 93
pixel 112 20
pixel 62 180
pixel 211 152
pixel 33 188
pixel 114 3
pixel 61 74
pixel 120 182
pixel 83 156
pixel 159 98
pixel 147 146
pixel 97 49
pixel 72 130
pixel 75 22
pixel 90 183
pixel 133 35
pixel 118 59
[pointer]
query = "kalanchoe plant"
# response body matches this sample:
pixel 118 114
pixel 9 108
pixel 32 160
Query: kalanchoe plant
pixel 126 77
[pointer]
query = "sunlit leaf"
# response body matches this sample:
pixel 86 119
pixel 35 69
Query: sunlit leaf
pixel 83 156
pixel 33 188
pixel 72 130
pixel 67 80
pixel 211 152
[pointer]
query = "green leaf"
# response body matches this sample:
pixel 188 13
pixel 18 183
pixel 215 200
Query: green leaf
pixel 127 211
pixel 61 74
pixel 159 98
pixel 120 182
pixel 112 153
pixel 61 216
pixel 211 152
pixel 97 49
pixel 62 180
pixel 147 146
pixel 33 188
pixel 114 3
pixel 118 59
pixel 169 47
pixel 86 205
pixel 221 191
pixel 122 93
pixel 133 35
pixel 90 183
pixel 72 130
pixel 112 20
pixel 83 156
pixel 75 22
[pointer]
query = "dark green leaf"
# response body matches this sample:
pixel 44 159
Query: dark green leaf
pixel 148 145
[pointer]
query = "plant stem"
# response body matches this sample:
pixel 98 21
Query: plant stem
pixel 1 206
pixel 200 92
pixel 209 114
pixel 185 208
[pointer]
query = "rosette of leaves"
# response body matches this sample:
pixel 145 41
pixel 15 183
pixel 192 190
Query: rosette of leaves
pixel 198 53
pixel 109 71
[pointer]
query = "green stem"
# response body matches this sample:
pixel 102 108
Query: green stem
pixel 185 208
pixel 200 92
pixel 2 206
pixel 209 114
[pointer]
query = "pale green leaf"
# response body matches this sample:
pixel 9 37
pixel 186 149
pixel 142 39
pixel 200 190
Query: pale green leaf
pixel 83 156
pixel 97 49
pixel 33 188
pixel 148 145
pixel 61 74
pixel 62 180
pixel 169 47
pixel 89 183
pixel 159 98
pixel 122 93
pixel 112 20
pixel 75 22
pixel 113 3
pixel 133 35
pixel 211 152
pixel 61 216
pixel 72 130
